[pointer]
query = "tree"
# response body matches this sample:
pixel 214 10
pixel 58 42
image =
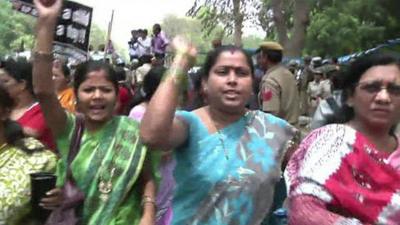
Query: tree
pixel 191 29
pixel 231 14
pixel 16 30
pixel 286 20
pixel 329 27
pixel 97 36
pixel 343 27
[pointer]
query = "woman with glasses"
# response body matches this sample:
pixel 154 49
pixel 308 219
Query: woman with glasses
pixel 348 173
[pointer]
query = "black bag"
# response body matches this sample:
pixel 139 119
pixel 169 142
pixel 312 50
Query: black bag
pixel 335 117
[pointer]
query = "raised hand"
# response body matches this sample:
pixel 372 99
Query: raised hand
pixel 181 45
pixel 48 9
pixel 183 48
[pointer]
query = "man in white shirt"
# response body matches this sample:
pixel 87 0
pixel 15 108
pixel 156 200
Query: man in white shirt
pixel 144 43
pixel 133 46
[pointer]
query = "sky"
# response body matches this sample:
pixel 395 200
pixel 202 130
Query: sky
pixel 136 14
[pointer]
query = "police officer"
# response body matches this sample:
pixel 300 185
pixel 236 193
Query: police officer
pixel 278 91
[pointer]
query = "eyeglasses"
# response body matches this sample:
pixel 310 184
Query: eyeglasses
pixel 375 87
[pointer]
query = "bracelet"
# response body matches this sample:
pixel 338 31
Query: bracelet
pixel 191 60
pixel 147 199
pixel 179 76
pixel 42 56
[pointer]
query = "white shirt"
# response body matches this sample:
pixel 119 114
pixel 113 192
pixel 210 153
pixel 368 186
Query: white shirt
pixel 315 89
pixel 142 71
pixel 144 46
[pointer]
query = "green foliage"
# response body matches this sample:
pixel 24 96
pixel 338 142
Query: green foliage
pixel 15 28
pixel 228 14
pixel 339 27
pixel 344 27
pixel 97 36
pixel 191 29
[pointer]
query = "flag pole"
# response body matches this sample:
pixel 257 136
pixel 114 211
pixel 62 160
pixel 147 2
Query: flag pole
pixel 109 34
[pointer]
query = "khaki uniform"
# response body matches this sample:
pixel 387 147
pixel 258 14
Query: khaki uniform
pixel 305 79
pixel 279 94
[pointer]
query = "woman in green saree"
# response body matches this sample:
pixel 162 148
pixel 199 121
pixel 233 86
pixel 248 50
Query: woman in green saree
pixel 111 156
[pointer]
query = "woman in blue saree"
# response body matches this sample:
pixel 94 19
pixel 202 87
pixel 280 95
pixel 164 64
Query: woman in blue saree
pixel 226 158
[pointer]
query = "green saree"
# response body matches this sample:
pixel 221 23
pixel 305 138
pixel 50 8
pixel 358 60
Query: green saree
pixel 113 154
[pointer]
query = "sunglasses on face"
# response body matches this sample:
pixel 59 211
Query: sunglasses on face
pixel 375 87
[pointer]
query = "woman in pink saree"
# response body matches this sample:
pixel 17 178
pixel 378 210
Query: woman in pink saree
pixel 349 173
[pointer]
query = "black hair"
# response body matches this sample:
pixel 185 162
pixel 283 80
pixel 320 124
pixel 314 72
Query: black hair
pixel 101 47
pixel 337 79
pixel 354 74
pixel 12 130
pixel 20 70
pixel 197 100
pixel 307 59
pixel 149 86
pixel 120 73
pixel 157 27
pixel 83 69
pixel 274 56
pixel 66 71
pixel 145 59
pixel 213 55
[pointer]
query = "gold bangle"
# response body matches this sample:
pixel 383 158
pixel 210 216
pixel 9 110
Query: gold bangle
pixel 43 56
pixel 179 76
pixel 147 199
pixel 191 60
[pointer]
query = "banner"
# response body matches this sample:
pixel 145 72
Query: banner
pixel 71 38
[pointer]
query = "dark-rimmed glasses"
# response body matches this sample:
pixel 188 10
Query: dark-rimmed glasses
pixel 374 87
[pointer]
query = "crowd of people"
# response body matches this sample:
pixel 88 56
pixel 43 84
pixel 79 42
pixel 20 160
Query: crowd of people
pixel 158 144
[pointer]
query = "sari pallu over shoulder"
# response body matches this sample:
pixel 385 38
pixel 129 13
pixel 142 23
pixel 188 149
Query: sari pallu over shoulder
pixel 236 169
pixel 117 148
pixel 339 167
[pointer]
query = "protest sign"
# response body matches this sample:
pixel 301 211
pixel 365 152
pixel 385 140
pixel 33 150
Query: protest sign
pixel 71 38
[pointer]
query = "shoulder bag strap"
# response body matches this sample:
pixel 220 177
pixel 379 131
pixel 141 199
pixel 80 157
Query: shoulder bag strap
pixel 75 142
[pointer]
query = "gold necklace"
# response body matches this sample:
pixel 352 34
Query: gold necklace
pixel 105 187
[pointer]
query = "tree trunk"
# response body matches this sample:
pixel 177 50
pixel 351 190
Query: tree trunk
pixel 279 20
pixel 295 44
pixel 301 21
pixel 238 23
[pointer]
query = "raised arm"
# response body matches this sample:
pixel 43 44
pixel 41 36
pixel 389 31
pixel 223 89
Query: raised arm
pixel 159 128
pixel 42 65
